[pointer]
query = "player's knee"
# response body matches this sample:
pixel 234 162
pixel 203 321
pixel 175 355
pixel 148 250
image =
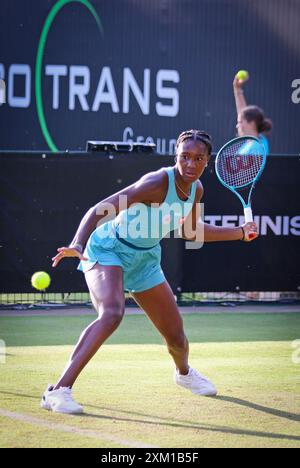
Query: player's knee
pixel 112 313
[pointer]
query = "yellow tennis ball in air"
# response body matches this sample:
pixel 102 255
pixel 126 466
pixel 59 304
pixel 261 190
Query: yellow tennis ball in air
pixel 40 280
pixel 242 75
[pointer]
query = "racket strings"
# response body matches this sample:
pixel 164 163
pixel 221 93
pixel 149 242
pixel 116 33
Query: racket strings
pixel 239 164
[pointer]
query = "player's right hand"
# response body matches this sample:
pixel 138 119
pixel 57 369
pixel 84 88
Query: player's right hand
pixel 238 84
pixel 250 231
pixel 64 252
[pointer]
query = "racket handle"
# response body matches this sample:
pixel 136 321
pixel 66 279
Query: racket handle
pixel 248 214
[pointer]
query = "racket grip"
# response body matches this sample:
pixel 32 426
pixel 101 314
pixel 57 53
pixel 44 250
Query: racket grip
pixel 248 214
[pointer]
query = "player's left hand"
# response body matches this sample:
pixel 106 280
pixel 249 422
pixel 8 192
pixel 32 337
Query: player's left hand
pixel 64 252
pixel 250 231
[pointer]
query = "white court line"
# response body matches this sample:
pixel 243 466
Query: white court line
pixel 72 429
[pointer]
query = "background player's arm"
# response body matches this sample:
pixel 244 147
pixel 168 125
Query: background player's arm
pixel 194 229
pixel 147 190
pixel 239 97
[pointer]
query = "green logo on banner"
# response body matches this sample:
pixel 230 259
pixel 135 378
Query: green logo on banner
pixel 39 60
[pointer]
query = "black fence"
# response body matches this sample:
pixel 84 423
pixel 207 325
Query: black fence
pixel 45 195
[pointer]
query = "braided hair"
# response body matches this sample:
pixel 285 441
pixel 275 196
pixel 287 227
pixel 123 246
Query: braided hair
pixel 195 135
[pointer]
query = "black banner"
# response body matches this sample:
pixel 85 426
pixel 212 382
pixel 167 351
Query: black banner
pixel 144 70
pixel 45 195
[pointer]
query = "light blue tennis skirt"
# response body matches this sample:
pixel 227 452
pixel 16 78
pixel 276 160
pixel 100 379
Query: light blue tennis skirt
pixel 141 268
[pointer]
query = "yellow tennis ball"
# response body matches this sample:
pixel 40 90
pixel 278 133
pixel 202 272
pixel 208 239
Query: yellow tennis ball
pixel 40 280
pixel 242 75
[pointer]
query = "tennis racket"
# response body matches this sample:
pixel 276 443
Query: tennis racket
pixel 239 165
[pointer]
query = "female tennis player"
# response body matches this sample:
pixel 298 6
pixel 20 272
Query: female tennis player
pixel 124 253
pixel 250 119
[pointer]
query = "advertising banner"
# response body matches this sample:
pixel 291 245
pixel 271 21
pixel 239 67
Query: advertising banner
pixel 44 197
pixel 73 70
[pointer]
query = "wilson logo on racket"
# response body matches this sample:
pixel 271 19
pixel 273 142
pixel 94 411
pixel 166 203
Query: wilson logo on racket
pixel 235 165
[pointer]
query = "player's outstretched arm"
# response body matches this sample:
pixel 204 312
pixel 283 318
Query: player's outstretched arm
pixel 239 97
pixel 194 229
pixel 147 189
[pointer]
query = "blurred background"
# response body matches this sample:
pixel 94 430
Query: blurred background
pixel 153 67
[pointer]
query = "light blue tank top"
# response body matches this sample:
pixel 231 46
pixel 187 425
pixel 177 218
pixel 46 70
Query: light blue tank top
pixel 253 146
pixel 145 226
pixel 264 141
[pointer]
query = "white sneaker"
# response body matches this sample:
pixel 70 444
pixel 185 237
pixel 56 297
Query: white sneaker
pixel 195 382
pixel 60 401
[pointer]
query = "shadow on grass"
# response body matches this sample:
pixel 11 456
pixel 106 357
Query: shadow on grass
pixel 202 427
pixel 263 409
pixel 139 418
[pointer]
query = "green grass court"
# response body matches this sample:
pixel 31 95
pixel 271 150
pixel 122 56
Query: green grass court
pixel 127 389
